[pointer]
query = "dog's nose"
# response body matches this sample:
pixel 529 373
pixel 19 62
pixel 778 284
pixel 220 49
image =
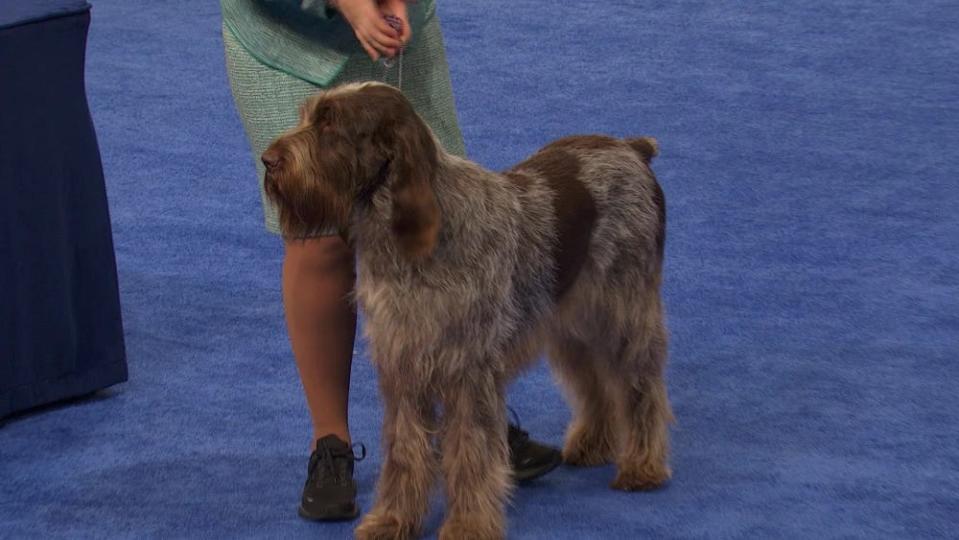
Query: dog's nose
pixel 270 158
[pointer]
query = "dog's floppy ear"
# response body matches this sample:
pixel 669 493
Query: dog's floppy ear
pixel 416 214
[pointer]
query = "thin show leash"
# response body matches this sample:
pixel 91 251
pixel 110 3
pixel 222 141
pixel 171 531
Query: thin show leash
pixel 396 24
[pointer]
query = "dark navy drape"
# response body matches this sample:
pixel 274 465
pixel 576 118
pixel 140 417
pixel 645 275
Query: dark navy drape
pixel 60 329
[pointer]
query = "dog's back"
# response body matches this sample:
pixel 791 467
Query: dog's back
pixel 607 203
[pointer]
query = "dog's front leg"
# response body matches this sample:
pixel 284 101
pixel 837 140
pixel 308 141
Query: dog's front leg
pixel 409 467
pixel 475 460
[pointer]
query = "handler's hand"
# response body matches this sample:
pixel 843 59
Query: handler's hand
pixel 373 33
pixel 397 8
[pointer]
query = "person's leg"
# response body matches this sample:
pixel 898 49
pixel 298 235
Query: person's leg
pixel 318 276
pixel 317 279
pixel 317 272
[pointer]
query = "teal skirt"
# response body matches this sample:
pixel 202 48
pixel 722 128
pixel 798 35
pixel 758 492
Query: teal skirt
pixel 268 100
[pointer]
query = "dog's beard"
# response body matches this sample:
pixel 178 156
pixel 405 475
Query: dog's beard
pixel 308 207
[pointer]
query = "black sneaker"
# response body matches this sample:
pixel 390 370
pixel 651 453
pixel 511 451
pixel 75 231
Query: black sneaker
pixel 530 459
pixel 330 492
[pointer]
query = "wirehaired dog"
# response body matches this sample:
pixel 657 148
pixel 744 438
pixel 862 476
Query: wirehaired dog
pixel 466 275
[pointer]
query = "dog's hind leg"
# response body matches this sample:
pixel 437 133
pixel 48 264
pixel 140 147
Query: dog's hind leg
pixel 475 460
pixel 643 413
pixel 590 437
pixel 409 467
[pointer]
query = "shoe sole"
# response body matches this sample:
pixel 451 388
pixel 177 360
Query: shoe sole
pixel 529 475
pixel 331 514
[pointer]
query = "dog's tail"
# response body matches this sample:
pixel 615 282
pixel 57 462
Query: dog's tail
pixel 646 147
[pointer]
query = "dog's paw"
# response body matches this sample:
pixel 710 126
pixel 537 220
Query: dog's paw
pixel 383 526
pixel 587 450
pixel 472 529
pixel 642 479
pixel 585 457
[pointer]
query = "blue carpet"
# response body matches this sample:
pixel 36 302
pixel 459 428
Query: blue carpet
pixel 809 158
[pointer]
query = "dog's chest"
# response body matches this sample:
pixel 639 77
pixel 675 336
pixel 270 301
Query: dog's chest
pixel 460 318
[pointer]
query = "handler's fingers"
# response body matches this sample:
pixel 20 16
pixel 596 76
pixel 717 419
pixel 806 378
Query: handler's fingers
pixel 385 35
pixel 384 44
pixel 370 50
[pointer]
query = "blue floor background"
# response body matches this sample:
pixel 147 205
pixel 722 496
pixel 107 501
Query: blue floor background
pixel 810 158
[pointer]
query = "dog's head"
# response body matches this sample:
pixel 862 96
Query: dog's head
pixel 351 142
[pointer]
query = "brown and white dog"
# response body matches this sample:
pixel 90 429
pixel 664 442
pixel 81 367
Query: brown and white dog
pixel 466 276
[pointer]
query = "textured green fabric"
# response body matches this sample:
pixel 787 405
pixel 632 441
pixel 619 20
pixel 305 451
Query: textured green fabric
pixel 268 99
pixel 303 38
